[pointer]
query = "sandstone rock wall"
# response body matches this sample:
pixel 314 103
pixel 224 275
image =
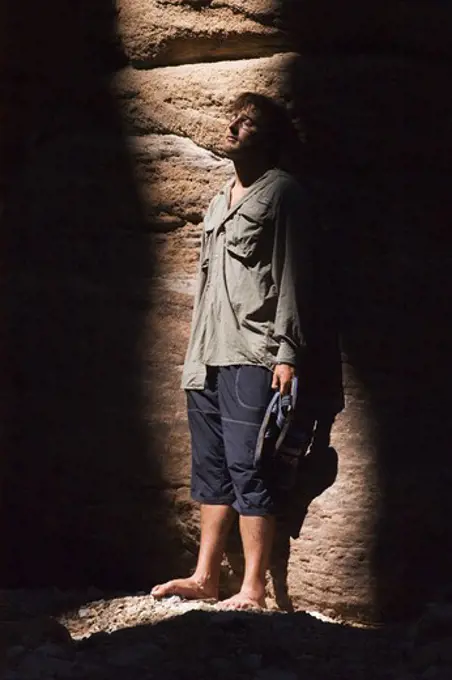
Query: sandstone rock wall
pixel 111 127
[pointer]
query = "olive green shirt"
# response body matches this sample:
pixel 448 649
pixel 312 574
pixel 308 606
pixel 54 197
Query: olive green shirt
pixel 253 289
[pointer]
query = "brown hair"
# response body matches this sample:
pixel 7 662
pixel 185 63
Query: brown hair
pixel 275 117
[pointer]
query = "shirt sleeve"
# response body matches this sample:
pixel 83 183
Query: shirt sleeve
pixel 292 273
pixel 203 262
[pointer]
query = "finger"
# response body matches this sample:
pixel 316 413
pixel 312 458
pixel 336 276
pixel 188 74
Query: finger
pixel 275 382
pixel 284 387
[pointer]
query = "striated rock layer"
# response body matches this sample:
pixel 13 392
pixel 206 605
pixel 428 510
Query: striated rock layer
pixel 108 171
pixel 158 33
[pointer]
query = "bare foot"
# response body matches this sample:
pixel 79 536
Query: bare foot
pixel 243 601
pixel 189 588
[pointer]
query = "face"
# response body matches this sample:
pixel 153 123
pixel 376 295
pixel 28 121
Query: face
pixel 244 134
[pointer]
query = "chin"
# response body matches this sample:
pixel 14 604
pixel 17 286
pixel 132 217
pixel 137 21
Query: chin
pixel 230 151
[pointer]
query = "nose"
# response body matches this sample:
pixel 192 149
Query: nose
pixel 234 126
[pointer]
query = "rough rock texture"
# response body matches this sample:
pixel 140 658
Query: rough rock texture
pixel 372 99
pixel 138 637
pixel 89 634
pixel 360 144
pixel 162 32
pixel 84 39
pixel 106 171
pixel 174 178
pixel 335 544
pixel 193 99
pixel 159 32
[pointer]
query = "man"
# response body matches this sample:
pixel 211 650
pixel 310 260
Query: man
pixel 249 327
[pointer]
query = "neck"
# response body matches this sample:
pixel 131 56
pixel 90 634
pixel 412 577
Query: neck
pixel 248 170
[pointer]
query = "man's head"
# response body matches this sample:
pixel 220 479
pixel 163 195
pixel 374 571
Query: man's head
pixel 258 126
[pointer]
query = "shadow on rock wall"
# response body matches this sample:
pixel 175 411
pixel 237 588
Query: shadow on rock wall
pixel 378 156
pixel 81 489
pixel 81 493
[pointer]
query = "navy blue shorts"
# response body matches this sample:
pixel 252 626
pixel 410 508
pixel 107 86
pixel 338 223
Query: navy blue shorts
pixel 224 419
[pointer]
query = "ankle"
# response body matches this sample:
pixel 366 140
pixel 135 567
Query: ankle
pixel 253 587
pixel 206 580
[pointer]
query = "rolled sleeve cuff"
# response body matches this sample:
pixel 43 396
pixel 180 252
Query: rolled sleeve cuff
pixel 286 354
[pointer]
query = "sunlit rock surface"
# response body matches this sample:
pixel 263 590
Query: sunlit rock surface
pixel 111 151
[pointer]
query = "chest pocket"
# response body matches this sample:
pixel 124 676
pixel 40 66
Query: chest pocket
pixel 244 229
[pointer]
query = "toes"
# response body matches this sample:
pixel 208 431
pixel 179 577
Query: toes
pixel 158 591
pixel 240 605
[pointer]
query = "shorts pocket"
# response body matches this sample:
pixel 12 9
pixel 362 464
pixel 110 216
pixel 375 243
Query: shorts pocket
pixel 253 387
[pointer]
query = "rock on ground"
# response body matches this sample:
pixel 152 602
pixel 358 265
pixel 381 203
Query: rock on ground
pixel 137 637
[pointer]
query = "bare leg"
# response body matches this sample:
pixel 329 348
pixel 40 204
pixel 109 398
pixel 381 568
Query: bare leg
pixel 257 538
pixel 216 520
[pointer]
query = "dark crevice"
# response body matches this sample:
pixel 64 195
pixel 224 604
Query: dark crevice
pixel 213 49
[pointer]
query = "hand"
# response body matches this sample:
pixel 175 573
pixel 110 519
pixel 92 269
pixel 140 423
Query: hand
pixel 282 378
